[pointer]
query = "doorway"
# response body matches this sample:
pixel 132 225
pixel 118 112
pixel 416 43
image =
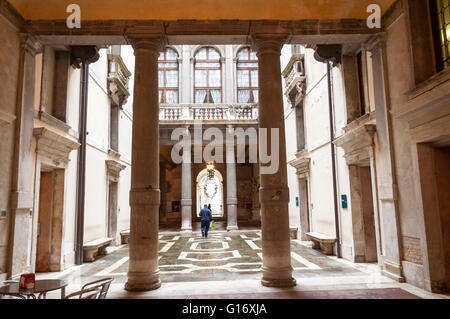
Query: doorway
pixel 50 221
pixel 442 173
pixel 363 215
pixel 112 211
pixel 210 192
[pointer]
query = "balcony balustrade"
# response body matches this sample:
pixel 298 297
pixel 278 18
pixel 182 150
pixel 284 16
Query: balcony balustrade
pixel 225 113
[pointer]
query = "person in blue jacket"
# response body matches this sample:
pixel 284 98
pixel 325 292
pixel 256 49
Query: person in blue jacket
pixel 207 218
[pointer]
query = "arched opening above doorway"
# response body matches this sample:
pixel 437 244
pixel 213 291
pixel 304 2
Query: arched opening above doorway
pixel 210 191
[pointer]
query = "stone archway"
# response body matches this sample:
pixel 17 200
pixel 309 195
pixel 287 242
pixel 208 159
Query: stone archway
pixel 210 192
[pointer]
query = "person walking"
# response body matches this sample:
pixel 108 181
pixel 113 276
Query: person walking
pixel 207 218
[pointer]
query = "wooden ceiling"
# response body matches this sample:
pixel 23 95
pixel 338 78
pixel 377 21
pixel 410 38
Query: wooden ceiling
pixel 199 9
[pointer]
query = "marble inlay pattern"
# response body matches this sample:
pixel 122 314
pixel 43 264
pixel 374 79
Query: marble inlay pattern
pixel 222 256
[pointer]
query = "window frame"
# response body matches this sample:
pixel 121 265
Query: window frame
pixel 208 88
pixel 165 88
pixel 437 40
pixel 250 88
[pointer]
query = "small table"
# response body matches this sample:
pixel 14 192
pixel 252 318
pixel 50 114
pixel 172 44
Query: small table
pixel 42 287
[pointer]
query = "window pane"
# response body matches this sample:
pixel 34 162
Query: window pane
pixel 243 54
pixel 169 65
pixel 256 96
pixel 161 56
pixel 171 54
pixel 243 79
pixel 160 96
pixel 253 56
pixel 255 79
pixel 161 79
pixel 201 54
pixel 200 96
pixel 243 96
pixel 213 54
pixel 200 78
pixel 214 78
pixel 216 96
pixel 171 97
pixel 247 65
pixel 207 65
pixel 172 79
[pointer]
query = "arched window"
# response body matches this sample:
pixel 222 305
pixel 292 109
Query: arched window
pixel 247 76
pixel 168 76
pixel 207 76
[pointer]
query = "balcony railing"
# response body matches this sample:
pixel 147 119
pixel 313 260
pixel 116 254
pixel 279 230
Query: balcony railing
pixel 294 76
pixel 209 112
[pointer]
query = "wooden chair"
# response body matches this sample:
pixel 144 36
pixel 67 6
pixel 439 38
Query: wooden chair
pixel 91 293
pixel 102 284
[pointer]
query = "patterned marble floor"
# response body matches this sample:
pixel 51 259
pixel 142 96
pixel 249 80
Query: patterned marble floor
pixel 229 264
pixel 221 256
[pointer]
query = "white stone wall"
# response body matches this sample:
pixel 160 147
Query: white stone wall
pixel 96 201
pixel 317 138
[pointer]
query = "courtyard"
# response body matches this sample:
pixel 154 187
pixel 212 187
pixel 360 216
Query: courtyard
pixel 227 265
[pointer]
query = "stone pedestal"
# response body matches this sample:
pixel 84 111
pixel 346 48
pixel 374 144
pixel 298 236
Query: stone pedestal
pixel 274 191
pixel 231 184
pixel 143 273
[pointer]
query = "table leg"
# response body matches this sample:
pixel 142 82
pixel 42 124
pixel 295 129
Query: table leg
pixel 63 292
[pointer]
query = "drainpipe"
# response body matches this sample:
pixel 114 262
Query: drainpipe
pixel 333 162
pixel 81 187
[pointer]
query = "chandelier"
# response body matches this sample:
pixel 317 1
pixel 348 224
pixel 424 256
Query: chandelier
pixel 211 170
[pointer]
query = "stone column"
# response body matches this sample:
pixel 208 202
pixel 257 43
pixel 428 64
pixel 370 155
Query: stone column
pixel 274 191
pixel 231 182
pixel 186 190
pixel 143 273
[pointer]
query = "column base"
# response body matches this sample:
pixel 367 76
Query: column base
pixel 231 228
pixel 138 282
pixel 186 231
pixel 392 271
pixel 278 278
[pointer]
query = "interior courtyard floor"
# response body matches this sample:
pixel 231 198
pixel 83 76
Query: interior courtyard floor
pixel 226 265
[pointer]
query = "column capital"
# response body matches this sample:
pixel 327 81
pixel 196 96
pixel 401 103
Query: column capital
pixel 268 43
pixel 153 43
pixel 30 44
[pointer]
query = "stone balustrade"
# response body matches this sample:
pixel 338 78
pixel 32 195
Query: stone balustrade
pixel 209 112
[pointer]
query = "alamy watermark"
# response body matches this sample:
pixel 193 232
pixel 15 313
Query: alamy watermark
pixel 214 150
pixel 74 19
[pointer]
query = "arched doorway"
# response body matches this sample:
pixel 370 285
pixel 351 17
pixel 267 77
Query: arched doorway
pixel 210 191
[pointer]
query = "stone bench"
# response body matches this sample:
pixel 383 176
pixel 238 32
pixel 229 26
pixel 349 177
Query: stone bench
pixel 125 237
pixel 322 242
pixel 95 248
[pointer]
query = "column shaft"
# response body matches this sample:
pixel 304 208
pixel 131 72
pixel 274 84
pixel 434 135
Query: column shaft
pixel 274 191
pixel 231 183
pixel 186 191
pixel 143 271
